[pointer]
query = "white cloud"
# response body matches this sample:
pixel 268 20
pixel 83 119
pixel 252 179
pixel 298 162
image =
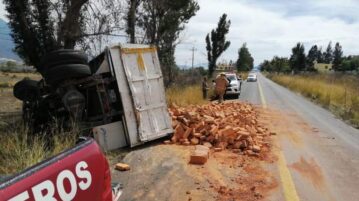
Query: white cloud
pixel 270 27
pixel 271 30
pixel 2 11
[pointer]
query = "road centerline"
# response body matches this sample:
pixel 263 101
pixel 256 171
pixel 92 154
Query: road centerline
pixel 290 193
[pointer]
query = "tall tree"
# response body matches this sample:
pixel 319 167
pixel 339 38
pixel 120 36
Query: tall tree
pixel 32 40
pixel 131 19
pixel 266 66
pixel 320 56
pixel 245 59
pixel 297 59
pixel 162 21
pixel 328 55
pixel 312 57
pixel 40 26
pixel 217 43
pixel 280 64
pixel 338 58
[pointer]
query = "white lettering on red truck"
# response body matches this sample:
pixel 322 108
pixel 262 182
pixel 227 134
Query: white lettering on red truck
pixel 45 191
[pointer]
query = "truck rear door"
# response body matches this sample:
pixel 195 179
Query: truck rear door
pixel 140 66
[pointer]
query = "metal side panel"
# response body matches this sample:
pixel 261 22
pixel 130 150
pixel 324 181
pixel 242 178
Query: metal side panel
pixel 126 97
pixel 144 76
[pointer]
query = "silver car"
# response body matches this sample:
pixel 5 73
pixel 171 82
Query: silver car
pixel 252 77
pixel 234 87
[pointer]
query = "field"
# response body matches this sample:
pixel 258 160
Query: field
pixel 337 92
pixel 20 150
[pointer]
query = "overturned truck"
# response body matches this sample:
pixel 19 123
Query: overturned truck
pixel 118 96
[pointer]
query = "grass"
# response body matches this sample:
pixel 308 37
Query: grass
pixel 20 150
pixel 188 95
pixel 338 92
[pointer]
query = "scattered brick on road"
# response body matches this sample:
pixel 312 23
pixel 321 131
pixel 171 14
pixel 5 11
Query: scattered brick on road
pixel 122 167
pixel 232 125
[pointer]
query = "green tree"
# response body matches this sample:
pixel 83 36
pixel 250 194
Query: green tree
pixel 320 56
pixel 32 29
pixel 298 58
pixel 338 58
pixel 328 54
pixel 266 66
pixel 280 64
pixel 40 26
pixel 312 57
pixel 216 42
pixel 245 59
pixel 162 21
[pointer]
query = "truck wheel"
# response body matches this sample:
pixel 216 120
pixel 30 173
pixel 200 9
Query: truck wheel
pixel 26 90
pixel 60 73
pixel 62 57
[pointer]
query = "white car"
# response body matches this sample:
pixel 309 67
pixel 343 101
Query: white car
pixel 234 87
pixel 252 77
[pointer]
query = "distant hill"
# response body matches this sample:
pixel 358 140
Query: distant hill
pixel 6 43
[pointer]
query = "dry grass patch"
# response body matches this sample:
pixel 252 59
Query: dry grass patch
pixel 187 95
pixel 338 92
pixel 20 150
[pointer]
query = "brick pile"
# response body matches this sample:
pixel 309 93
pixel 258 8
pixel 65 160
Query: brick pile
pixel 231 125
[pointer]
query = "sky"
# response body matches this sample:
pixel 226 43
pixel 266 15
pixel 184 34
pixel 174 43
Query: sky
pixel 270 28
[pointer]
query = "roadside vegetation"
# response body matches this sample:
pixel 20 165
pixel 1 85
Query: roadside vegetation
pixel 337 92
pixel 183 96
pixel 19 150
pixel 325 76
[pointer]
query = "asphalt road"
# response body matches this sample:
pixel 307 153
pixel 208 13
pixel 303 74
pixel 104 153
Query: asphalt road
pixel 318 154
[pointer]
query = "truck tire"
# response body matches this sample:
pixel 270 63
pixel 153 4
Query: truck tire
pixel 26 90
pixel 57 74
pixel 62 57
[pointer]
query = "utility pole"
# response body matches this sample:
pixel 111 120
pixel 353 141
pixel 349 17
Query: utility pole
pixel 193 49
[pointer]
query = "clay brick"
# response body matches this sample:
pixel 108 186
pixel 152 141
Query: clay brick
pixel 256 149
pixel 179 131
pixel 214 130
pixel 245 133
pixel 198 157
pixel 210 138
pixel 174 123
pixel 223 145
pixel 237 145
pixel 174 139
pixel 217 149
pixel 183 120
pixel 207 144
pixel 236 150
pixel 194 141
pixel 197 135
pixel 122 167
pixel 187 133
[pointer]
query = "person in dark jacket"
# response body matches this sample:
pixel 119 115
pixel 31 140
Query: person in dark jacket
pixel 205 87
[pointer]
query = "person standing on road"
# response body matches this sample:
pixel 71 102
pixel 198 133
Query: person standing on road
pixel 221 86
pixel 205 88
